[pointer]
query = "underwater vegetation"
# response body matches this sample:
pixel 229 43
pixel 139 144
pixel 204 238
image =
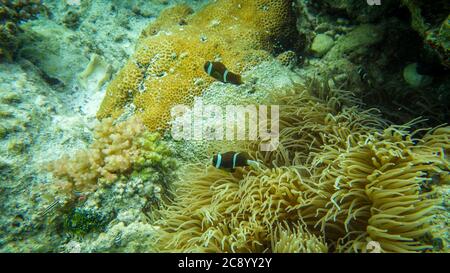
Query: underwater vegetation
pixel 340 179
pixel 167 67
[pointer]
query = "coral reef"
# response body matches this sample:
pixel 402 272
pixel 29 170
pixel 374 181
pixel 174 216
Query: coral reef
pixel 167 67
pixel 340 174
pixel 288 58
pixel 48 47
pixel 431 21
pixel 43 119
pixel 71 19
pixel 370 60
pixel 137 237
pixel 12 13
pixel 62 45
pixel 121 180
pixel 343 178
pixel 31 104
pixel 361 11
pixel 82 221
pixel 118 149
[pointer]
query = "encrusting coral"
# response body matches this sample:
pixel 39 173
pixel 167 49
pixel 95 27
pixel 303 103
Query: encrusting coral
pixel 340 179
pixel 167 67
pixel 119 149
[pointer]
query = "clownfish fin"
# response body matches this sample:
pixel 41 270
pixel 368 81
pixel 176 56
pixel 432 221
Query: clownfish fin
pixel 255 165
pixel 238 79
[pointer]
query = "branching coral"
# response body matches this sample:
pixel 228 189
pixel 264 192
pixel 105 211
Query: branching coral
pixel 118 149
pixel 167 67
pixel 339 180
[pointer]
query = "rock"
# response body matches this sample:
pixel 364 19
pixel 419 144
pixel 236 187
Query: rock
pixel 54 49
pixel 322 43
pixel 413 78
pixel 356 43
pixel 360 10
pixel 71 19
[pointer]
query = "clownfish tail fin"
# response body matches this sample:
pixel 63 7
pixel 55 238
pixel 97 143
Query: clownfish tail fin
pixel 238 79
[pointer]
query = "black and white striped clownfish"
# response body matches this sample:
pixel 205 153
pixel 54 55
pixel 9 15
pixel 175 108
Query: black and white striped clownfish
pixel 219 72
pixel 232 160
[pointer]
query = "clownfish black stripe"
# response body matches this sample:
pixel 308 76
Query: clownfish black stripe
pixel 220 72
pixel 230 160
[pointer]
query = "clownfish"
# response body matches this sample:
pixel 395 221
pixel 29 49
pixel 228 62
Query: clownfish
pixel 231 160
pixel 219 72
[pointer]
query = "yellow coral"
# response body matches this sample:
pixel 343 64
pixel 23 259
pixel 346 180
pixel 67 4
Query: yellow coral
pixel 169 17
pixel 167 67
pixel 287 58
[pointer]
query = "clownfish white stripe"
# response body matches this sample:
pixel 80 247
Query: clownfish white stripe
pixel 219 161
pixel 210 67
pixel 225 74
pixel 234 160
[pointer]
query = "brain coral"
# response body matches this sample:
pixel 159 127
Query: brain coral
pixel 167 67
